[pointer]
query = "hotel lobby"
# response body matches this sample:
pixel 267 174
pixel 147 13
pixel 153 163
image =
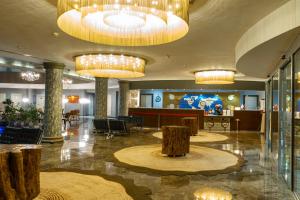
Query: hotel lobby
pixel 150 99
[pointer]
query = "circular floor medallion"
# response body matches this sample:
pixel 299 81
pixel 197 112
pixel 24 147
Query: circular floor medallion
pixel 201 137
pixel 200 159
pixel 75 186
pixel 47 194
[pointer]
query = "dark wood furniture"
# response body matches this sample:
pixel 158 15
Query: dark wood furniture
pixel 274 120
pixel 176 140
pixel 154 117
pixel 192 123
pixel 19 172
pixel 249 120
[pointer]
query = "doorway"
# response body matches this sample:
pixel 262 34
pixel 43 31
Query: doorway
pixel 146 100
pixel 251 102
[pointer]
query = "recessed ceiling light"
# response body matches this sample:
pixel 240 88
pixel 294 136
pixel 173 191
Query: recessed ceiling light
pixel 30 66
pixel 2 61
pixel 17 63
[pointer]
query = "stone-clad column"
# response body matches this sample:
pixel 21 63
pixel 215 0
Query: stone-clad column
pixel 101 87
pixel 53 102
pixel 124 97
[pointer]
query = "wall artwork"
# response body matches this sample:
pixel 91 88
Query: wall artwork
pixel 211 103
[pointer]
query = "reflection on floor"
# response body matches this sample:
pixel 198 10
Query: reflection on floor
pixel 85 151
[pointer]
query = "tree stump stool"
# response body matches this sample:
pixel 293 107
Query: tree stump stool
pixel 192 123
pixel 176 140
pixel 19 172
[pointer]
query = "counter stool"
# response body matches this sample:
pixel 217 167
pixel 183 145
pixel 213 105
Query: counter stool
pixel 237 124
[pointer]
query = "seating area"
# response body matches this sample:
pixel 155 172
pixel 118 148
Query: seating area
pixel 150 100
pixel 72 116
pixel 13 135
pixel 117 126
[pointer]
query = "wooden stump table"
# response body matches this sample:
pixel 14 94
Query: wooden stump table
pixel 176 140
pixel 192 123
pixel 19 172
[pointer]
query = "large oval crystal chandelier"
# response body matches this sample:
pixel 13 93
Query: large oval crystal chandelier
pixel 110 66
pixel 30 76
pixel 215 77
pixel 124 22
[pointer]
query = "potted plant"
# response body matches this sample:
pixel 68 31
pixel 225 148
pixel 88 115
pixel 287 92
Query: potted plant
pixel 10 112
pixel 34 116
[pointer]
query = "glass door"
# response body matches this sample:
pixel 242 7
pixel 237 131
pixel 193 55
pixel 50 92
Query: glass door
pixel 274 116
pixel 268 108
pixel 285 128
pixel 296 61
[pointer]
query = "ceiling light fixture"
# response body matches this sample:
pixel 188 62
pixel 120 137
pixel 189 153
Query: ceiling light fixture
pixel 17 63
pixel 215 77
pixel 110 66
pixel 30 76
pixel 2 61
pixel 124 22
pixel 30 66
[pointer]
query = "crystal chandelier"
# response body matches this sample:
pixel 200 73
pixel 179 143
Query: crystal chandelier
pixel 30 76
pixel 110 66
pixel 215 77
pixel 124 22
pixel 67 81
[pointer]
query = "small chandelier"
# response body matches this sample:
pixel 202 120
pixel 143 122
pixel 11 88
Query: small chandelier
pixel 124 22
pixel 67 81
pixel 215 77
pixel 30 76
pixel 110 66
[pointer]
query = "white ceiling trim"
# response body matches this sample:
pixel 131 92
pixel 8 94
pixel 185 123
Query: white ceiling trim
pixel 277 23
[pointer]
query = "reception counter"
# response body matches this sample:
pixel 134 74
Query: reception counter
pixel 153 117
pixel 160 117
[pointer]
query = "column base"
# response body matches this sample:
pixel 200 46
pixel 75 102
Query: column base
pixel 54 139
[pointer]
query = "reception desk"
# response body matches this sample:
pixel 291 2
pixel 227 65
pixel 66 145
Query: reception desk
pixel 161 117
pixel 155 117
pixel 249 120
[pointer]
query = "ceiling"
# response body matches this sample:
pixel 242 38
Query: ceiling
pixel 27 27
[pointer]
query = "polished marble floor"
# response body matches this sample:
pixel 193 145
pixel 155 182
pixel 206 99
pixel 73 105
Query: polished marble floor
pixel 83 150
